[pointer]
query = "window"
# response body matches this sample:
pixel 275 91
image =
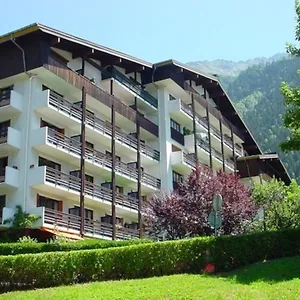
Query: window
pixel 88 213
pixel 77 138
pixel 88 178
pixel 171 97
pixel 2 204
pixel 49 163
pixel 49 203
pixel 46 124
pixel 108 219
pixel 108 185
pixel 175 125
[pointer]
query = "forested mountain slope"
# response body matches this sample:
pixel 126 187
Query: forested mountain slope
pixel 224 67
pixel 256 94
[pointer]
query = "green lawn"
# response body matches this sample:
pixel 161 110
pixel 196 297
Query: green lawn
pixel 279 279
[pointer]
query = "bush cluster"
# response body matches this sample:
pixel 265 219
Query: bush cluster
pixel 31 247
pixel 145 260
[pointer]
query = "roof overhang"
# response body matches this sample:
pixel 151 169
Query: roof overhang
pixel 81 47
pixel 250 166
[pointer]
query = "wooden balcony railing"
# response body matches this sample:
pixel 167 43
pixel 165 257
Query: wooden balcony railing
pixel 189 159
pixel 93 190
pixel 215 131
pixel 217 154
pixel 137 89
pixel 201 120
pixel 91 227
pixel 74 110
pixel 99 158
pixel 229 143
pixel 215 112
pixel 63 71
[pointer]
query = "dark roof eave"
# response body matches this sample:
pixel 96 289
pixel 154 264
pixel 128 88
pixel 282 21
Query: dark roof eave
pixel 48 30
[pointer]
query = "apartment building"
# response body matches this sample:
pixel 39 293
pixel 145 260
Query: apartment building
pixel 87 130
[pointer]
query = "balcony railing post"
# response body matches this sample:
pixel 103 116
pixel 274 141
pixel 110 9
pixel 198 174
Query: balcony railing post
pixel 113 175
pixel 140 224
pixel 208 130
pixel 82 162
pixel 194 129
pixel 222 142
pixel 233 149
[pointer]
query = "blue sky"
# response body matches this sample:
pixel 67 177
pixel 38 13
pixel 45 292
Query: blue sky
pixel 155 30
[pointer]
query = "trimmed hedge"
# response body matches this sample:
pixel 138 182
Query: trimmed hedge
pixel 24 248
pixel 145 260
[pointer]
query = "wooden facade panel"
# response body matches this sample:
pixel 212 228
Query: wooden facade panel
pixel 79 81
pixel 11 57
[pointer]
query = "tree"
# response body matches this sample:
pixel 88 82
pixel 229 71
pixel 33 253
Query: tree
pixel 292 98
pixel 281 204
pixel 185 211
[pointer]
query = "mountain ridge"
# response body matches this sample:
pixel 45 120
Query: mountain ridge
pixel 231 68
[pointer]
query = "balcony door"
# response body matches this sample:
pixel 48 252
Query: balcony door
pixel 88 213
pixel 49 163
pixel 49 203
pixel 3 165
pixel 88 178
pixel 3 129
pixel 2 205
pixel 49 125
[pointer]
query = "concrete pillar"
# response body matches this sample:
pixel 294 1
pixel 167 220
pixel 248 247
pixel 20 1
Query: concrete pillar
pixel 165 140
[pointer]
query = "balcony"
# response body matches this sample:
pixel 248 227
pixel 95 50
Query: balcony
pixel 98 96
pixel 182 113
pixel 10 104
pixel 61 184
pixel 57 108
pixel 69 223
pixel 52 143
pixel 183 163
pixel 214 111
pixel 204 148
pixel 9 179
pixel 237 148
pixel 131 85
pixel 10 140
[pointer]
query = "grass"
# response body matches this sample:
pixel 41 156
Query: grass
pixel 278 279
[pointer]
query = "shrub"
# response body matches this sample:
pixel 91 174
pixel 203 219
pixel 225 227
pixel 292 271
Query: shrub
pixel 21 219
pixel 54 245
pixel 184 212
pixel 145 260
pixel 27 239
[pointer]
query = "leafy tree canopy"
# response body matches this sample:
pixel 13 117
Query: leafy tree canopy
pixel 185 212
pixel 292 98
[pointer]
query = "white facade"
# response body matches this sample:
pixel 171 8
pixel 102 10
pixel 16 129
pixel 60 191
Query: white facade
pixel 42 146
